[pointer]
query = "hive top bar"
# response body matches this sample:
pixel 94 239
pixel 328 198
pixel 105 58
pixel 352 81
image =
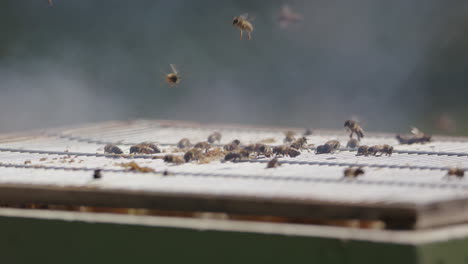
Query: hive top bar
pixel 410 186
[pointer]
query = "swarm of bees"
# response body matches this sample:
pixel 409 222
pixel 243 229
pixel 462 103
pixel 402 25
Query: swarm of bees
pixel 243 23
pixel 417 137
pixel 353 127
pixel 353 172
pixel 329 147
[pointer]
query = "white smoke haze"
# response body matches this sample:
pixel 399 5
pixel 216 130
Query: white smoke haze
pixel 85 61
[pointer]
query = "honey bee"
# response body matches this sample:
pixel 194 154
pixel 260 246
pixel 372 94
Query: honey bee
pixel 290 136
pixel 97 174
pixel 274 163
pixel 287 16
pixel 354 127
pixel 243 24
pixel 299 143
pixel 236 155
pixel 174 159
pixel 193 154
pixel 329 147
pixel 418 137
pixel 353 172
pixel 112 149
pixel 184 143
pixel 383 149
pixel 232 146
pixel 173 78
pixel 308 132
pixel 145 148
pixel 457 172
pixel 363 151
pixel 216 136
pixel 352 143
pixel 286 151
pixel 203 145
pixel 259 149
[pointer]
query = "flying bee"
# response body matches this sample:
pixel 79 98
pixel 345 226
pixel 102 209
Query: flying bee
pixel 173 78
pixel 274 163
pixel 216 136
pixel 243 24
pixel 352 143
pixel 352 172
pixel 184 143
pixel 354 127
pixel 329 147
pixel 112 149
pixel 287 16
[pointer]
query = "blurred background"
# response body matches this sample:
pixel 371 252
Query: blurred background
pixel 390 64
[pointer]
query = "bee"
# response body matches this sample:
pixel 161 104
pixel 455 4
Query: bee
pixel 145 148
pixel 97 174
pixel 243 24
pixel 353 172
pixel 382 149
pixel 273 163
pixel 216 136
pixel 112 149
pixel 232 146
pixel 235 156
pixel 352 143
pixel 329 147
pixel 299 143
pixel 457 172
pixel 193 154
pixel 174 159
pixel 354 127
pixel 363 151
pixel 173 78
pixel 259 149
pixel 418 137
pixel 287 16
pixel 290 136
pixel 286 151
pixel 203 145
pixel 51 4
pixel 307 132
pixel 184 143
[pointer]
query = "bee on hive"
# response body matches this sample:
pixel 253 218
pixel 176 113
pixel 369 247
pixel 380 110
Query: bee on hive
pixel 352 172
pixel 354 127
pixel 243 24
pixel 112 149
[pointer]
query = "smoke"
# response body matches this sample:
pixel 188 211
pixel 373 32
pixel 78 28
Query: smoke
pixel 86 61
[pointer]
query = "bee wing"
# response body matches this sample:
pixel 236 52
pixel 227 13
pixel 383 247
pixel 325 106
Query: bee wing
pixel 415 131
pixel 247 17
pixel 174 68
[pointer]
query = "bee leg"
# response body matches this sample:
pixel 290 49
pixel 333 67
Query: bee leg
pixel 241 34
pixel 249 36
